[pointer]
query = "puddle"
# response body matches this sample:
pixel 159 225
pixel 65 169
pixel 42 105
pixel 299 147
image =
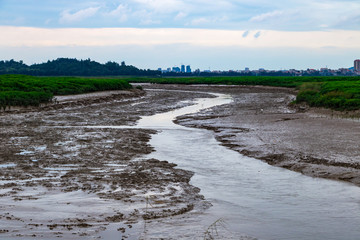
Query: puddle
pixel 8 165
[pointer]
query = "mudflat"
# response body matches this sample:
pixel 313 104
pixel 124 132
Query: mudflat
pixel 67 172
pixel 261 123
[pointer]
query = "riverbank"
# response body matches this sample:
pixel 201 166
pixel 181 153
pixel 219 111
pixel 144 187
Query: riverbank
pixel 67 173
pixel 260 123
pixel 64 173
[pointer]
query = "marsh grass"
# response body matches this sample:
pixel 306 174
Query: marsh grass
pixel 337 95
pixel 23 90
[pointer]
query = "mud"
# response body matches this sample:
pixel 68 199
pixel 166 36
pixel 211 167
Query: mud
pixel 262 123
pixel 59 178
pixel 64 174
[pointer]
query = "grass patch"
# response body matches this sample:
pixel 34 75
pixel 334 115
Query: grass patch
pixel 23 90
pixel 338 95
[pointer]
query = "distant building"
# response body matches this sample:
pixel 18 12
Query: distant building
pixel 182 68
pixel 325 72
pixel 159 69
pixel 357 65
pixel 188 69
pixel 247 69
pixel 176 69
pixel 344 71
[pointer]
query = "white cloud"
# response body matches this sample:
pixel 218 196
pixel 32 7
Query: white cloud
pixel 203 21
pixel 349 20
pixel 68 17
pixel 266 16
pixel 200 21
pixel 162 6
pixel 320 14
pixel 145 17
pixel 240 14
pixel 121 13
pixel 39 37
pixel 180 16
pixel 48 21
pixel 219 5
pixel 149 21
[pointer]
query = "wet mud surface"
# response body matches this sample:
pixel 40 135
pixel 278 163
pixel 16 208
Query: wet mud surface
pixel 64 174
pixel 62 178
pixel 261 123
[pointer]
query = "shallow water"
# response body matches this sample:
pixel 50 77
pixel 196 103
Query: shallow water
pixel 253 198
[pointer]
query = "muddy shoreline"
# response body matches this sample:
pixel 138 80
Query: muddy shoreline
pixel 63 177
pixel 261 123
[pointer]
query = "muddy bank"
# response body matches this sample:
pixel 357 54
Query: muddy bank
pixel 60 177
pixel 261 124
pixel 65 174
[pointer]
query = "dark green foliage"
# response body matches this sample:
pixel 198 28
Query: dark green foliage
pixel 73 67
pixel 23 90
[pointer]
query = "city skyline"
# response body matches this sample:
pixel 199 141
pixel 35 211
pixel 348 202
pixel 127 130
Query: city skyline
pixel 219 35
pixel 354 66
pixel 89 67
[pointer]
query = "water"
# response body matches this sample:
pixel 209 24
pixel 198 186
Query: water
pixel 252 197
pixel 8 165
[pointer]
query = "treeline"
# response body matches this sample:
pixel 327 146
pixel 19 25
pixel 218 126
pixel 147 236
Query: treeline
pixel 73 67
pixel 24 90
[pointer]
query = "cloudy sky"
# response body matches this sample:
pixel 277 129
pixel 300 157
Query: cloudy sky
pixel 216 35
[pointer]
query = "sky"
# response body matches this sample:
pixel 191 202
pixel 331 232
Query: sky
pixel 215 35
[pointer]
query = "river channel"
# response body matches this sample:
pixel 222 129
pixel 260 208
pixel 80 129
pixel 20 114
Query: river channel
pixel 252 199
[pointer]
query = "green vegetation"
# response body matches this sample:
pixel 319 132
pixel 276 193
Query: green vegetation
pixel 23 90
pixel 339 93
pixel 246 80
pixel 73 67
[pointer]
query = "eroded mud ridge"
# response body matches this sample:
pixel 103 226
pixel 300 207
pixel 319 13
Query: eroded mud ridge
pixel 62 177
pixel 260 123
